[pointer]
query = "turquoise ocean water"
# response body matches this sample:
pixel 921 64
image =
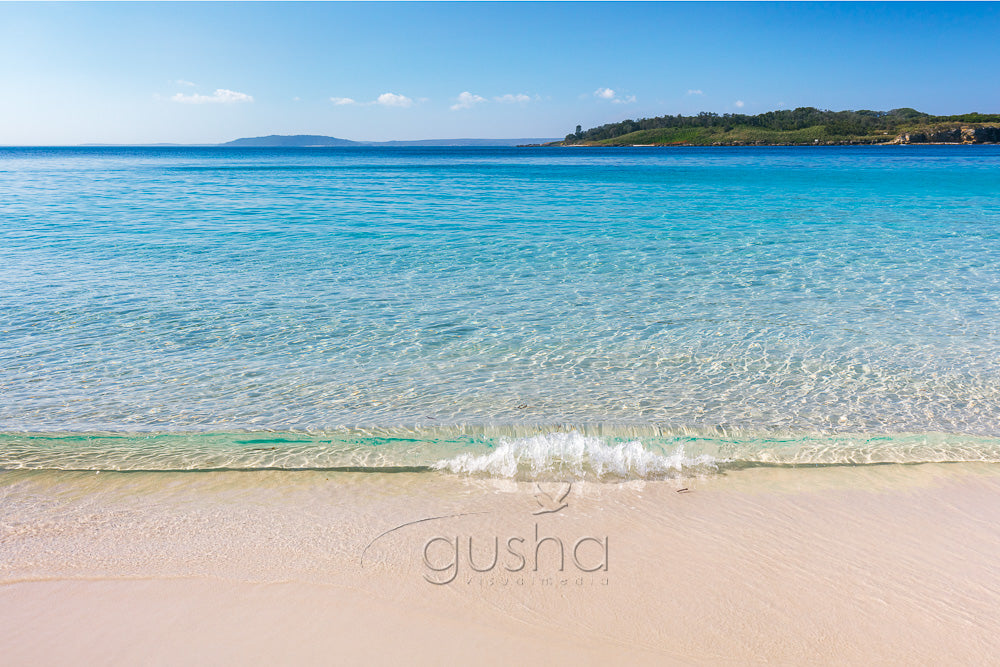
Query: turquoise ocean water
pixel 602 313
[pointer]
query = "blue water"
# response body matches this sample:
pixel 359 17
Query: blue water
pixel 382 306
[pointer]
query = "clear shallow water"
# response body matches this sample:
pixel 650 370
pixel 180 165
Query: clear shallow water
pixel 842 302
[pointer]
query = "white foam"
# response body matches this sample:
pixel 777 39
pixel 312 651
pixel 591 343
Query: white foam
pixel 571 455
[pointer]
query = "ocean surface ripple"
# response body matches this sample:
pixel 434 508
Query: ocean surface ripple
pixel 835 294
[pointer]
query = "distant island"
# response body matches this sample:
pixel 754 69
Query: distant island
pixel 320 141
pixel 792 127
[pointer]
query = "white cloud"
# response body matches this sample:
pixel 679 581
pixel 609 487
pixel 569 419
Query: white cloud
pixel 182 82
pixel 466 100
pixel 695 91
pixel 612 96
pixel 518 98
pixel 220 96
pixel 385 99
pixel 739 104
pixel 394 100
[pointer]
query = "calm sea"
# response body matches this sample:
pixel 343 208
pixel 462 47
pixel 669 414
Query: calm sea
pixel 596 312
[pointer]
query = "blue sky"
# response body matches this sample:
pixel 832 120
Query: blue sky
pixel 205 73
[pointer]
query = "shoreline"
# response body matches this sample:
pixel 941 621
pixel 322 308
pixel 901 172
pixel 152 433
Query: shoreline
pixel 765 145
pixel 890 563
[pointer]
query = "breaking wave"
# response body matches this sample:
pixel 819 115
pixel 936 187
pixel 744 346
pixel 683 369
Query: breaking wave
pixel 576 456
pixel 607 453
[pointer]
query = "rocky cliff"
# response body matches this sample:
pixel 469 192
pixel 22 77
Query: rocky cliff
pixel 984 134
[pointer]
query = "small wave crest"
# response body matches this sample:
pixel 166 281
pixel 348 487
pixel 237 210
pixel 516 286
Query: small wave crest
pixel 575 456
pixel 555 453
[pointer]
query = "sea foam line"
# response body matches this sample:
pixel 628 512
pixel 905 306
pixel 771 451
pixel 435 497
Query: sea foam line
pixel 571 455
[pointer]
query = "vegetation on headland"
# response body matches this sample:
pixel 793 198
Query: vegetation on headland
pixel 802 126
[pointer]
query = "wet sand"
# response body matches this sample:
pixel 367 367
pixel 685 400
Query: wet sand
pixel 839 565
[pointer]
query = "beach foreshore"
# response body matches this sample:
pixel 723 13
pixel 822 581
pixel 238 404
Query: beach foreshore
pixel 829 565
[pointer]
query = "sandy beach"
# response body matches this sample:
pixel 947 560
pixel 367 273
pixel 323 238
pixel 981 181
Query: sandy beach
pixel 319 346
pixel 840 565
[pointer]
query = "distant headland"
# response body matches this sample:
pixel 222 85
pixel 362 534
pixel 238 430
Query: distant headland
pixel 320 141
pixel 805 126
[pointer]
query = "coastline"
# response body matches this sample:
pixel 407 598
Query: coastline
pixel 763 144
pixel 885 563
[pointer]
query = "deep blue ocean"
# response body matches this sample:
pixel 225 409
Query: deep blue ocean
pixel 622 312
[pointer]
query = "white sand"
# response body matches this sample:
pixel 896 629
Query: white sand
pixel 884 564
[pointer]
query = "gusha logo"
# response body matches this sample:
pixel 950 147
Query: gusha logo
pixel 447 557
pixel 549 504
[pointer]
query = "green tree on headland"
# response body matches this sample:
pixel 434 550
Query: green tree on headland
pixel 804 125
